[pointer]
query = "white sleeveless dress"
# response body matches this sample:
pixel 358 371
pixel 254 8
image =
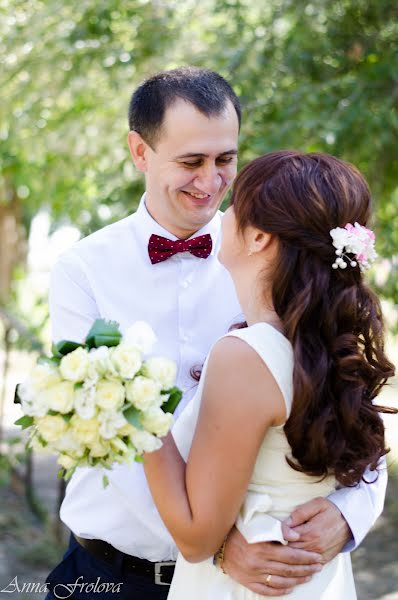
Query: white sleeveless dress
pixel 274 491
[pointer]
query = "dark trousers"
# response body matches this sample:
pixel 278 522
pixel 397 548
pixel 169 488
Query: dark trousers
pixel 81 576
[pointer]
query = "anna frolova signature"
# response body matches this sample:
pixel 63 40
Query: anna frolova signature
pixel 62 591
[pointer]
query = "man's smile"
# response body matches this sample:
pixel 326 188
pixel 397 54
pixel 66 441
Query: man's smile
pixel 197 198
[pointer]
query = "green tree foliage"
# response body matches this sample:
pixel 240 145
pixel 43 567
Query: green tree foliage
pixel 313 75
pixel 68 69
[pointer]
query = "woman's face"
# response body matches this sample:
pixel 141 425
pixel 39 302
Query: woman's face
pixel 232 245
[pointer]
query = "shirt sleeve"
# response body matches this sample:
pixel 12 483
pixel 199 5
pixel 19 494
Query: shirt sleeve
pixel 363 504
pixel 71 300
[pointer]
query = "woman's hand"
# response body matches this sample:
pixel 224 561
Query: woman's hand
pixel 321 527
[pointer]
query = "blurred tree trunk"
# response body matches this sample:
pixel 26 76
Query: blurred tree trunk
pixel 13 244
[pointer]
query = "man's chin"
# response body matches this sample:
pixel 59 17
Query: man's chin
pixel 203 218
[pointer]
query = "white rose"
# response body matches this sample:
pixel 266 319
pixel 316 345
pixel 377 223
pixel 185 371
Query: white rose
pixel 44 375
pixel 110 422
pixel 38 408
pixel 162 370
pixel 32 404
pixel 60 397
pixel 84 402
pixel 66 461
pixel 84 430
pixel 143 393
pixel 92 376
pixel 74 365
pixel 100 362
pixel 109 394
pixel 51 428
pixel 156 421
pixel 144 441
pixel 26 391
pixel 99 449
pixel 68 444
pixel 127 360
pixel 141 336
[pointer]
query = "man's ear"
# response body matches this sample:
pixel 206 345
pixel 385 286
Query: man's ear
pixel 138 150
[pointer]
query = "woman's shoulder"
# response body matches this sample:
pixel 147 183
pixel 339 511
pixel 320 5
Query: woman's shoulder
pixel 231 353
pixel 259 356
pixel 238 377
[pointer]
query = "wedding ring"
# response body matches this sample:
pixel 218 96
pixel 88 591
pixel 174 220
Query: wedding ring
pixel 268 579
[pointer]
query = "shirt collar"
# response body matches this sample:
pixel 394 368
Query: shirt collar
pixel 148 226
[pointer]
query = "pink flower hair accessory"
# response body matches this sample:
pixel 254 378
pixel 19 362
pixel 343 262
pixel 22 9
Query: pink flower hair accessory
pixel 353 239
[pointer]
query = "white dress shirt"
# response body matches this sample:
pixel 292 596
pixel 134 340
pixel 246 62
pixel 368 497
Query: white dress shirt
pixel 189 302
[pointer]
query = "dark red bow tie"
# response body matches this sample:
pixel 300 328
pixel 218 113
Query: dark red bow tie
pixel 161 248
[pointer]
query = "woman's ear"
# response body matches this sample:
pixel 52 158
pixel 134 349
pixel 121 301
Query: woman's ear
pixel 138 150
pixel 258 240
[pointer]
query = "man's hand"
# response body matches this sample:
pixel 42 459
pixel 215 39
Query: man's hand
pixel 253 564
pixel 321 526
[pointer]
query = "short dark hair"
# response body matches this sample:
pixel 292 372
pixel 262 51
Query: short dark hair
pixel 205 89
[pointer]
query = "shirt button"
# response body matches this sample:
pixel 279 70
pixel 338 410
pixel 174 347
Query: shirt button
pixel 184 338
pixel 185 284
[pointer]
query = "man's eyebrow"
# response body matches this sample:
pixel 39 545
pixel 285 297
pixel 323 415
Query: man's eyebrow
pixel 201 155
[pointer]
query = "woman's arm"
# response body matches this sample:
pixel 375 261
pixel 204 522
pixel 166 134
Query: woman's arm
pixel 199 501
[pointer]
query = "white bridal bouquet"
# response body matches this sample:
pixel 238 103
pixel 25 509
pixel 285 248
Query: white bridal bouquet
pixel 100 402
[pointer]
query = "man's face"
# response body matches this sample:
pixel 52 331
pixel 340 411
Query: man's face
pixel 191 167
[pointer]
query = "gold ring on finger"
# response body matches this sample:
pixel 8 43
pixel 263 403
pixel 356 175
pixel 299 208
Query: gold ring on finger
pixel 268 579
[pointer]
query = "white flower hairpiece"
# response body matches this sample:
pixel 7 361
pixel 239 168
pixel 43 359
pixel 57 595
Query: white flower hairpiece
pixel 353 239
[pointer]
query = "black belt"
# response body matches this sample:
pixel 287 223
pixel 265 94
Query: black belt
pixel 159 572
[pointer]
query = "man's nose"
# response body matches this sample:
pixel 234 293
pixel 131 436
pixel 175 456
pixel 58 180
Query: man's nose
pixel 209 180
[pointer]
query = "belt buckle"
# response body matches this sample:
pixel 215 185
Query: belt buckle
pixel 158 571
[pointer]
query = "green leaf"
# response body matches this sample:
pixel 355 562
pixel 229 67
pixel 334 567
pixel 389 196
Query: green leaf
pixel 64 347
pixel 105 481
pixel 25 421
pixel 173 400
pixel 138 458
pixel 103 333
pixel 133 416
pixel 42 441
pixel 55 352
pixel 69 473
pixel 13 440
pixel 104 340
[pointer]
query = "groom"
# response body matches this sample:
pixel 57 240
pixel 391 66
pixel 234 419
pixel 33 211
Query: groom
pixel 160 265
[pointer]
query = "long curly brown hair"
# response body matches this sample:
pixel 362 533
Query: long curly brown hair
pixel 331 317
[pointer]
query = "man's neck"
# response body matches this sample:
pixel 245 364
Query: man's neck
pixel 181 234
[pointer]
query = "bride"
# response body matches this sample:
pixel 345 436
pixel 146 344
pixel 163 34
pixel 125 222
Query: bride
pixel 284 409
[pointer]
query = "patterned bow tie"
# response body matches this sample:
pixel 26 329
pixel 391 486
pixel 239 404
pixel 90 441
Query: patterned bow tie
pixel 161 248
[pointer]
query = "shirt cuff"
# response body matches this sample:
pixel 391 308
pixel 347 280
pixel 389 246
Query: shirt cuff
pixel 351 503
